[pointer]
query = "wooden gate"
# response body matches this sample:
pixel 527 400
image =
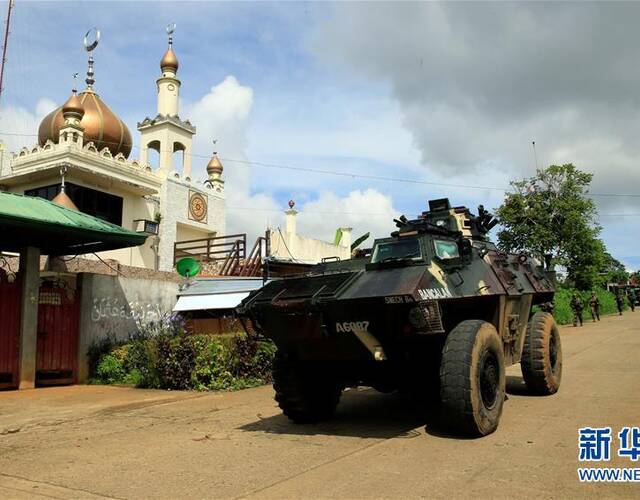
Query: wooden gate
pixel 58 324
pixel 9 333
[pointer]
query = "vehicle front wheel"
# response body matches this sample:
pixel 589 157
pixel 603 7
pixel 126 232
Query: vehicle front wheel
pixel 541 360
pixel 472 378
pixel 303 394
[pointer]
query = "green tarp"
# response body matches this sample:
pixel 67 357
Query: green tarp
pixel 56 230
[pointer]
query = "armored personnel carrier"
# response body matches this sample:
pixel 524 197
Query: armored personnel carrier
pixel 436 304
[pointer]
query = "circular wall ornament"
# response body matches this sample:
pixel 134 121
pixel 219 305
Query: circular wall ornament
pixel 197 207
pixel 171 87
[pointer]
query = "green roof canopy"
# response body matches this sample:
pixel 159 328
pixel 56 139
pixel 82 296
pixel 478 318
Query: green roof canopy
pixel 56 230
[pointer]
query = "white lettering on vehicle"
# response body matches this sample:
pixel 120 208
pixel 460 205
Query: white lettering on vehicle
pixel 434 293
pixel 394 300
pixel 350 326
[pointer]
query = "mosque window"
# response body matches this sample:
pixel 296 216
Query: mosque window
pixel 105 206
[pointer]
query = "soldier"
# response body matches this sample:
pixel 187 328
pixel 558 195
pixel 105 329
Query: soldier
pixel 632 300
pixel 594 305
pixel 619 301
pixel 577 306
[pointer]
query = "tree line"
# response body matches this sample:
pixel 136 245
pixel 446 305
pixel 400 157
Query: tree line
pixel 551 217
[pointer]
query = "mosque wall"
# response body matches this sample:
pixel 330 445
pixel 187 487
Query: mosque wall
pixel 178 225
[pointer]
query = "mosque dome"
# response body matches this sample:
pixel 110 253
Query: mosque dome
pixel 215 165
pixel 101 125
pixel 73 106
pixel 63 200
pixel 169 61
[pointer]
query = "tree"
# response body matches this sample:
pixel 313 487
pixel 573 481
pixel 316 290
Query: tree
pixel 613 271
pixel 550 216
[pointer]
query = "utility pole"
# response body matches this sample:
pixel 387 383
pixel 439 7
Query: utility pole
pixel 5 43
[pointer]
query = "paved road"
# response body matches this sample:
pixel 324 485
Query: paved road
pixel 96 442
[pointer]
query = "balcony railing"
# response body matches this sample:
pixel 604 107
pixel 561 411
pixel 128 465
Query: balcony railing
pixel 212 249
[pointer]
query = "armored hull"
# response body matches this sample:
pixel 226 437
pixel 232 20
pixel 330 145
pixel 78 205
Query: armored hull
pixel 388 318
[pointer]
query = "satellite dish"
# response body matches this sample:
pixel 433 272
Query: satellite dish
pixel 91 39
pixel 188 267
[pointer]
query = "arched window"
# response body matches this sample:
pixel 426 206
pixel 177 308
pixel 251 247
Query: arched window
pixel 179 150
pixel 153 154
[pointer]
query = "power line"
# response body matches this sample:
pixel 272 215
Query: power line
pixel 353 175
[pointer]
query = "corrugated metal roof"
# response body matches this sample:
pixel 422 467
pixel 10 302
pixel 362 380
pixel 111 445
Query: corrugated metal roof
pixel 216 293
pixel 210 286
pixel 211 302
pixel 32 221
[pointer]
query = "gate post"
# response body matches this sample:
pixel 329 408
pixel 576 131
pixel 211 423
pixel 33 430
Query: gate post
pixel 28 341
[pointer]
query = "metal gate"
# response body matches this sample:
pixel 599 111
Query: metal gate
pixel 9 333
pixel 58 324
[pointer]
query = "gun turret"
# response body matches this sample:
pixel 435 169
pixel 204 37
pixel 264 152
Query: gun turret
pixel 442 219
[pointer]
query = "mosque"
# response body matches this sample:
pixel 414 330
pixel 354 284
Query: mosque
pixel 83 161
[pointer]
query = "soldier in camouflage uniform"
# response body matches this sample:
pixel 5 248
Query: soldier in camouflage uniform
pixel 632 300
pixel 594 305
pixel 577 306
pixel 619 301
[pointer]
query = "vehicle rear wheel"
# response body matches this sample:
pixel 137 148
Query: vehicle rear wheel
pixel 304 395
pixel 472 378
pixel 541 361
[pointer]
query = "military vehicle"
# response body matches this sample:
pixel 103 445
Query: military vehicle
pixel 435 305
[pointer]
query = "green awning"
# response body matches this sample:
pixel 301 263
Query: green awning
pixel 56 230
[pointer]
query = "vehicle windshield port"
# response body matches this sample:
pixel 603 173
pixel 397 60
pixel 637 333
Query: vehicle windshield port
pixel 446 249
pixel 408 249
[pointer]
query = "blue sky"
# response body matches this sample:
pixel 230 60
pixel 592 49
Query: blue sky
pixel 381 90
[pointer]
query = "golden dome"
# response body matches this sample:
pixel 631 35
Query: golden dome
pixel 101 125
pixel 214 166
pixel 169 61
pixel 63 200
pixel 73 105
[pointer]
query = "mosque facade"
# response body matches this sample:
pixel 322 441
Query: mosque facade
pixel 83 160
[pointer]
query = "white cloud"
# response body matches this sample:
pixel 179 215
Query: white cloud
pixel 224 113
pixel 363 210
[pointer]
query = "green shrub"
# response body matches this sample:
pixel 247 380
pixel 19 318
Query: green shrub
pixel 98 349
pixel 141 364
pixel 162 354
pixel 110 370
pixel 176 361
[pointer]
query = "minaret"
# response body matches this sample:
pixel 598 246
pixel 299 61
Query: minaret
pixel 168 83
pixel 214 171
pixel 167 133
pixel 71 131
pixel 290 218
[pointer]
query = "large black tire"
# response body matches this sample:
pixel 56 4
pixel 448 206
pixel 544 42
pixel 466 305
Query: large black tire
pixel 304 395
pixel 472 378
pixel 541 360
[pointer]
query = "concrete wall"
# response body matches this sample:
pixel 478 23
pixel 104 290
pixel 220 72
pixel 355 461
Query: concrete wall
pixel 288 245
pixel 175 216
pixel 114 306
